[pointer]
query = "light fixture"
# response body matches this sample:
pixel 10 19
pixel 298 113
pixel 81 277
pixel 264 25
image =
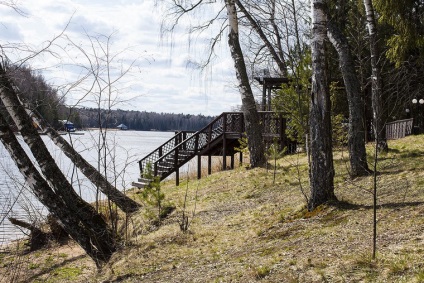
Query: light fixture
pixel 414 101
pixel 421 101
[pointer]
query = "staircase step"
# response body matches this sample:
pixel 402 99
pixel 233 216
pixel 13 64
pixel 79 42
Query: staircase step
pixel 140 185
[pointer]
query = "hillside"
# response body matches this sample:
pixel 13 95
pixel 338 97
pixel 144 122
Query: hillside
pixel 247 229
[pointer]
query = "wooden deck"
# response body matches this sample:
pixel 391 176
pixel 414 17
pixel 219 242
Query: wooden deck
pixel 219 138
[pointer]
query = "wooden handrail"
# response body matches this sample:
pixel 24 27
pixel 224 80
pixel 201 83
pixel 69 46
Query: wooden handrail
pixel 181 148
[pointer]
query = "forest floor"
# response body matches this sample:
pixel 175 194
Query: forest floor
pixel 243 227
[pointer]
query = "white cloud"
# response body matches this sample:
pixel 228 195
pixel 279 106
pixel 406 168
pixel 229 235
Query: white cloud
pixel 164 77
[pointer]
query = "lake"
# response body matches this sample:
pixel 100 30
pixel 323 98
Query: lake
pixel 118 158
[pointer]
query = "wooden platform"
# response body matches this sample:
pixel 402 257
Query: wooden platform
pixel 219 138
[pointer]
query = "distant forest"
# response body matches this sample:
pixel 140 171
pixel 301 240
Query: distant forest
pixel 136 120
pixel 39 96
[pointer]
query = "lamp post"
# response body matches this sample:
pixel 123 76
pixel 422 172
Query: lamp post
pixel 418 105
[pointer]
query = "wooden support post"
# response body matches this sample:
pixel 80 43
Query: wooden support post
pixel 264 97
pixel 177 169
pixel 209 164
pixel 232 161
pixel 241 158
pixel 224 153
pixel 269 99
pixel 199 166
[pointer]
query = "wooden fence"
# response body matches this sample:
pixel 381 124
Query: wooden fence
pixel 399 129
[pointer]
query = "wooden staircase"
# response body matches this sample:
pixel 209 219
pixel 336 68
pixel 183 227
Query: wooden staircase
pixel 220 137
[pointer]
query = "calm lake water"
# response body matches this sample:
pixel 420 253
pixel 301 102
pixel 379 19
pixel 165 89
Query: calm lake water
pixel 123 150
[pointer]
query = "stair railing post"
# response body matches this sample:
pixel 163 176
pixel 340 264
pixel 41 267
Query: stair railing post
pixel 196 144
pixel 209 136
pixel 177 169
pixel 140 165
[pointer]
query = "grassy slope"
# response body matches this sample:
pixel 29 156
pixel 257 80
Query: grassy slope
pixel 247 229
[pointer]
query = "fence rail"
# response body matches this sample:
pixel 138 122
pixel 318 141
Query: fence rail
pixel 399 129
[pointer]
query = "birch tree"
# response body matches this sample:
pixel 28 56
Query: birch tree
pixel 321 171
pixel 125 203
pixel 251 117
pixel 96 237
pixel 379 128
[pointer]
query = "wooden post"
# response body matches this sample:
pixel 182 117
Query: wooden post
pixel 209 164
pixel 232 161
pixel 199 166
pixel 269 99
pixel 177 169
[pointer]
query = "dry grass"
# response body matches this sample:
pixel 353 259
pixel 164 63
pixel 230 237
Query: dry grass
pixel 246 229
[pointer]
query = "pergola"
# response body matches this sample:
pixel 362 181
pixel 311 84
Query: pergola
pixel 268 84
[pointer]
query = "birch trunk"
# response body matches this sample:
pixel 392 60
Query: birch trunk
pixel 377 90
pixel 251 117
pixel 356 137
pixel 321 171
pixel 120 199
pixel 55 204
pixel 92 221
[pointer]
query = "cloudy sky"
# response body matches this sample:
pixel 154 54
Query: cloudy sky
pixel 161 73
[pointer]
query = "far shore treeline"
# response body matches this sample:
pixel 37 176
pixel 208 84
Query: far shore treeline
pixel 40 96
pixel 137 120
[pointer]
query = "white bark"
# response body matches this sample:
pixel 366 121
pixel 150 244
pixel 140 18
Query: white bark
pixel 250 113
pixel 377 104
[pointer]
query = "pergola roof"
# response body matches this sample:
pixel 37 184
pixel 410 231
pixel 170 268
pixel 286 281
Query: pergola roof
pixel 272 83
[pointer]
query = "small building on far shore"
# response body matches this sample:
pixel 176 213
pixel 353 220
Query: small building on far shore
pixel 67 126
pixel 122 127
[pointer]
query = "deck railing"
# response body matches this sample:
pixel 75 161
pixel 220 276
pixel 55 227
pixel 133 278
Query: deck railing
pixel 175 152
pixel 399 129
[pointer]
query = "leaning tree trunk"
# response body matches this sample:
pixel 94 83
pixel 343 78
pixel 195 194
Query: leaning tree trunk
pixel 356 137
pixel 54 203
pixel 376 83
pixel 120 199
pixel 89 217
pixel 321 172
pixel 251 117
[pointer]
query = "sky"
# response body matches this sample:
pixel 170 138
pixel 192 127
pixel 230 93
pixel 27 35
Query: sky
pixel 161 71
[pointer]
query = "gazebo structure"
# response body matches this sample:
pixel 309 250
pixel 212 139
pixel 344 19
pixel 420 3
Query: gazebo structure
pixel 221 137
pixel 268 84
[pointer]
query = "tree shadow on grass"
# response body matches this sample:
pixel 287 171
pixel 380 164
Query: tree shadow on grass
pixel 344 205
pixel 53 267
